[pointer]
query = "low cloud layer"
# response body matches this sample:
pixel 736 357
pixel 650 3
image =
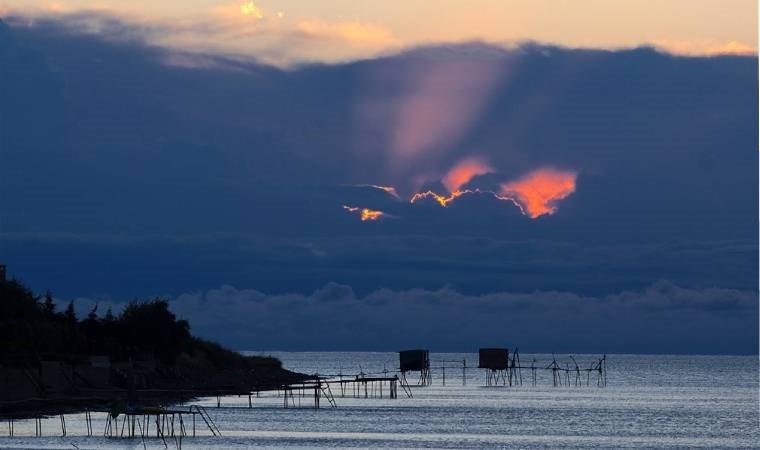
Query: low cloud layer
pixel 710 320
pixel 120 267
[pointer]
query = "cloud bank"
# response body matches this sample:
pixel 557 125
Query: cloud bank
pixel 712 320
pixel 238 146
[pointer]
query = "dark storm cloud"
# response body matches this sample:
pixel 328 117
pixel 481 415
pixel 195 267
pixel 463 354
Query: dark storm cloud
pixel 664 145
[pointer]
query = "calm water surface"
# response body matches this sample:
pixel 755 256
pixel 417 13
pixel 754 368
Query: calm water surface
pixel 650 401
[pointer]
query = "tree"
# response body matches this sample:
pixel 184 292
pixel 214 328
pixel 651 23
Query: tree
pixel 17 301
pixel 93 314
pixel 69 314
pixel 91 328
pixel 48 307
pixel 152 328
pixel 109 318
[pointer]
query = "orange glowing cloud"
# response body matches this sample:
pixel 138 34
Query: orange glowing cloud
pixel 538 192
pixel 458 176
pixel 441 199
pixel 357 33
pixel 365 214
pixel 463 172
pixel 705 47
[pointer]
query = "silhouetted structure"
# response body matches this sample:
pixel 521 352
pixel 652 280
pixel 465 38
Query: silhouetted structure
pixel 2 273
pixel 493 358
pixel 415 361
pixel 496 362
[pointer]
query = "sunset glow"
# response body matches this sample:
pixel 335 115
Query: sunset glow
pixel 365 214
pixel 250 9
pixel 441 199
pixel 455 178
pixel 336 30
pixel 538 192
pixel 463 172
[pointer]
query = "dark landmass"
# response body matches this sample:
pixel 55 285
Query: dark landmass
pixel 53 363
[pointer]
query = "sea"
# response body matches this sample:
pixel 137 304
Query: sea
pixel 649 401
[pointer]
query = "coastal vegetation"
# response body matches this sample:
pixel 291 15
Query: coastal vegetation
pixel 32 328
pixel 142 355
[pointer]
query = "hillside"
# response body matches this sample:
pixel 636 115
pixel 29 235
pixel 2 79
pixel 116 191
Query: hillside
pixel 51 361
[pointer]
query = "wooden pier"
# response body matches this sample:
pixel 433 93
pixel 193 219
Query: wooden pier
pixel 358 387
pixel 167 422
pixel 372 387
pixel 501 368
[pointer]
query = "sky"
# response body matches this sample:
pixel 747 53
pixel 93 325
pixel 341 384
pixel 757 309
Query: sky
pixel 287 32
pixel 374 176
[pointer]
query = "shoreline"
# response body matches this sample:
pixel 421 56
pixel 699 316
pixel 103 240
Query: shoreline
pixel 164 386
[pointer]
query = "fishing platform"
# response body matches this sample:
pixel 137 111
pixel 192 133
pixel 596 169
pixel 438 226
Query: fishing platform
pixel 500 367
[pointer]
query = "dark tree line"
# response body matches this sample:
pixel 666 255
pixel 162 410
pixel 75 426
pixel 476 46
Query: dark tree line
pixel 31 328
